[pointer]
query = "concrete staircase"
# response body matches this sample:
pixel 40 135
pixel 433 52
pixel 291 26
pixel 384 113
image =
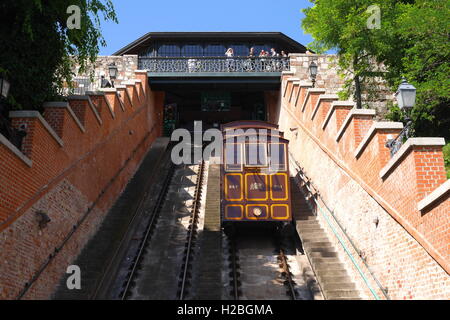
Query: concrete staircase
pixel 330 272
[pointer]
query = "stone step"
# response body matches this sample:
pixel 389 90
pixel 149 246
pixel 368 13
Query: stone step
pixel 314 230
pixel 337 286
pixel 327 266
pixel 323 254
pixel 319 244
pixel 334 294
pixel 325 259
pixel 314 238
pixel 308 223
pixel 324 274
pixel 306 217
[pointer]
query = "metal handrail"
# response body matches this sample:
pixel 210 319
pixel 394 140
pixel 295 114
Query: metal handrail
pixel 316 193
pixel 214 64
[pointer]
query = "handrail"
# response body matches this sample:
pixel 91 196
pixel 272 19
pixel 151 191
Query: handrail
pixel 315 192
pixel 214 64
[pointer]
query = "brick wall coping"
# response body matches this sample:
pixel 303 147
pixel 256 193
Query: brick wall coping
pixel 291 79
pixel 287 73
pixel 305 84
pixel 352 113
pixel 102 92
pixel 16 151
pixel 118 96
pixel 406 147
pixel 434 196
pixel 323 97
pixel 86 97
pixel 123 87
pixel 333 107
pixel 56 104
pixel 308 93
pixel 141 71
pixel 119 86
pixel 36 114
pixel 376 126
pixel 132 81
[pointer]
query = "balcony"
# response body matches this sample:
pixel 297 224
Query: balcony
pixel 214 66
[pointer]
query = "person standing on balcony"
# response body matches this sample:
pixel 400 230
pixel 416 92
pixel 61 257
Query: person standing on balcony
pixel 230 55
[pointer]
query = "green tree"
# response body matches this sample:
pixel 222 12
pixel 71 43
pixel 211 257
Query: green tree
pixel 412 41
pixel 38 50
pixel 341 25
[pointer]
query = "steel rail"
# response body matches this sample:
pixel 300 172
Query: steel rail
pixel 234 267
pixel 193 228
pixel 155 213
pixel 285 266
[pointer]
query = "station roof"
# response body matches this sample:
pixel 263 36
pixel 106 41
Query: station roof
pixel 138 45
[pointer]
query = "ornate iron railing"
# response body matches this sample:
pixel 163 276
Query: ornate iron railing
pixel 213 64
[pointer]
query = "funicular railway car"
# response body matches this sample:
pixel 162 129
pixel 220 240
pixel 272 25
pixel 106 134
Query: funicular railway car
pixel 254 173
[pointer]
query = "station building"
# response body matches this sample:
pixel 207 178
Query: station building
pixel 201 83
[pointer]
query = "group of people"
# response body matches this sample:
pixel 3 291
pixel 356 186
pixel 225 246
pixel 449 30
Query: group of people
pixel 258 63
pixel 263 53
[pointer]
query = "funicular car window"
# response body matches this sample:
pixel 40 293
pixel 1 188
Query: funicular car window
pixel 233 157
pixel 278 157
pixel 255 155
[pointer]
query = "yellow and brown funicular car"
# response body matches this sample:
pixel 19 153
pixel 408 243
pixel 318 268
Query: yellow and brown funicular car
pixel 255 173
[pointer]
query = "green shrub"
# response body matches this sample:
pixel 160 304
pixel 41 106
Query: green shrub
pixel 446 150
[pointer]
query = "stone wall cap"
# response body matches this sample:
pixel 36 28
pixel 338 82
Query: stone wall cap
pixel 56 104
pixel 304 83
pixel 316 90
pixel 343 104
pixel 386 125
pixel 120 86
pixel 434 196
pixel 95 93
pixel 411 142
pixel 293 79
pixel 328 96
pixel 141 71
pixel 287 73
pixel 104 90
pixel 78 97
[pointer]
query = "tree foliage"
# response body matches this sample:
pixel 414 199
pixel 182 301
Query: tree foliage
pixel 412 41
pixel 38 50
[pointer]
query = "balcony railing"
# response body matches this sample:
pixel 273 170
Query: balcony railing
pixel 213 64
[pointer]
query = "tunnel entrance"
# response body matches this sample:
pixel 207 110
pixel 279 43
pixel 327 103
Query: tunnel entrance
pixel 212 107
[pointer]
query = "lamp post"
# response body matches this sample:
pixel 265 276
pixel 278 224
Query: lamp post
pixel 4 88
pixel 313 72
pixel 406 99
pixel 112 69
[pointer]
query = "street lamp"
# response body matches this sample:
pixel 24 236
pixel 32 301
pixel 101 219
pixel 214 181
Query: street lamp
pixel 406 99
pixel 4 88
pixel 313 72
pixel 406 96
pixel 112 69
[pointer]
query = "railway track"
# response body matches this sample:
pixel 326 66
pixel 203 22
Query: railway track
pixel 161 266
pixel 260 269
pixel 185 275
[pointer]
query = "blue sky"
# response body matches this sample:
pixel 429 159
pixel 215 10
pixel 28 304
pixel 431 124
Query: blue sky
pixel 137 17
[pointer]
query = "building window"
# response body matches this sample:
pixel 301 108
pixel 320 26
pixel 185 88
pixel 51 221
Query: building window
pixel 169 50
pixel 192 50
pixel 240 50
pixel 215 50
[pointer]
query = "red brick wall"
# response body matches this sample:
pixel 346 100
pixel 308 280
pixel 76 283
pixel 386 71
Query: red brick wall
pixel 409 249
pixel 79 180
